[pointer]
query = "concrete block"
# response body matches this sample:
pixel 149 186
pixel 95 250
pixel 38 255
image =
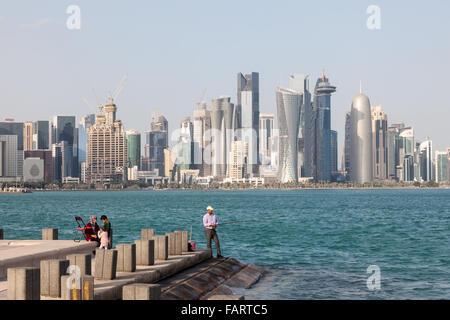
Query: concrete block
pixel 145 252
pixel 24 284
pixel 161 247
pixel 126 257
pixel 105 264
pixel 178 243
pixel 50 234
pixel 171 240
pixel 147 234
pixel 226 297
pixel 82 261
pixel 51 272
pixel 1 234
pixel 141 291
pixel 73 288
pixel 185 241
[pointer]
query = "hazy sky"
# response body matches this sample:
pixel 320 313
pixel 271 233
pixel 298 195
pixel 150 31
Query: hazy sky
pixel 172 50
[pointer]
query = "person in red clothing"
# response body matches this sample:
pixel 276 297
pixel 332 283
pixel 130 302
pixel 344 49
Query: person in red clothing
pixel 92 229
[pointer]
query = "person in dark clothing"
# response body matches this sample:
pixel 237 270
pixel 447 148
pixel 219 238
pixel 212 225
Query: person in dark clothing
pixel 92 229
pixel 107 226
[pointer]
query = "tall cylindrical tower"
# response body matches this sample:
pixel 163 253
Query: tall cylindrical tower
pixel 361 160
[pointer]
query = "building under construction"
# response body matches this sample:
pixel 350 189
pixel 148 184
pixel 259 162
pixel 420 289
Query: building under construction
pixel 107 149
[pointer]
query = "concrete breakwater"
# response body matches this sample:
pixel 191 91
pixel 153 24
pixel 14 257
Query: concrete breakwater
pixel 31 266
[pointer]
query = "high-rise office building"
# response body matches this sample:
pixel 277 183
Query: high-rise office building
pixel 442 166
pixel 83 126
pixel 8 157
pixel 393 134
pixel 322 129
pixel 334 151
pixel 305 140
pixel 265 137
pixel 133 149
pixel 289 103
pixel 10 127
pixel 361 159
pixel 63 128
pixel 408 168
pixel 62 162
pixel 347 144
pixel 157 139
pixel 238 160
pixel 202 140
pixel 28 136
pixel 185 159
pixel 107 149
pixel 380 143
pixel 248 106
pixel 222 134
pixel 426 160
pixel 41 135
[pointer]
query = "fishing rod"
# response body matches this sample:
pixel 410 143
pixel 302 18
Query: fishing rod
pixel 244 221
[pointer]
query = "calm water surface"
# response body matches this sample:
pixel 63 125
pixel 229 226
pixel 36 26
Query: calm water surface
pixel 315 244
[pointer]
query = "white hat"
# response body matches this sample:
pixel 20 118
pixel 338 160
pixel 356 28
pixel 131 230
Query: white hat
pixel 209 208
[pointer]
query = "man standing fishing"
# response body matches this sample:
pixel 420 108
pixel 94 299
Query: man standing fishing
pixel 210 223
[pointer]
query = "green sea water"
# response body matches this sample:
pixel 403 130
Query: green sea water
pixel 315 244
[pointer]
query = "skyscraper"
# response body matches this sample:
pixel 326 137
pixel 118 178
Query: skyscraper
pixel 157 139
pixel 442 166
pixel 305 140
pixel 238 160
pixel 347 145
pixel 27 136
pixel 10 127
pixel 133 149
pixel 8 156
pixel 392 138
pixel 380 143
pixel 361 159
pixel 222 118
pixel 426 160
pixel 248 107
pixel 185 158
pixel 289 103
pixel 63 128
pixel 265 137
pixel 107 149
pixel 334 151
pixel 83 126
pixel 202 140
pixel 322 129
pixel 41 135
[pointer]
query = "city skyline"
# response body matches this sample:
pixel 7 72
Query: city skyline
pixel 53 79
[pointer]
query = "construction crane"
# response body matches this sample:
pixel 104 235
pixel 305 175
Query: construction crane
pixel 201 98
pixel 113 96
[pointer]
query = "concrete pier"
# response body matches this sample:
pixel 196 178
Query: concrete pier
pixel 161 247
pixel 147 234
pixel 30 253
pixel 51 272
pixel 141 291
pixel 145 252
pixel 105 264
pixel 178 242
pixel 49 234
pixel 82 261
pixel 73 288
pixel 24 284
pixel 126 257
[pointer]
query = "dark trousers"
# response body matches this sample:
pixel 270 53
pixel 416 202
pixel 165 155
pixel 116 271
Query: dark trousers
pixel 212 234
